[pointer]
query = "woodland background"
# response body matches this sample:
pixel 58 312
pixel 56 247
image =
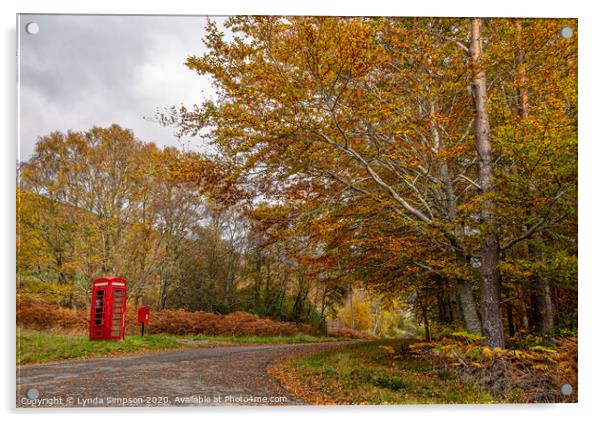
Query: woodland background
pixel 428 164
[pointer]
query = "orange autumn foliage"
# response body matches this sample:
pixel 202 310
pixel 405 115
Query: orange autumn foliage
pixel 49 317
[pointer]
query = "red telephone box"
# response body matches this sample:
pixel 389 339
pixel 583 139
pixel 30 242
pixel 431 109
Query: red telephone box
pixel 107 310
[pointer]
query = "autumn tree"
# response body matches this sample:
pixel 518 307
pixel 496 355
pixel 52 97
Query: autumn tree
pixel 101 202
pixel 365 127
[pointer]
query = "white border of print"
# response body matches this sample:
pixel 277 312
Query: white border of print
pixel 590 149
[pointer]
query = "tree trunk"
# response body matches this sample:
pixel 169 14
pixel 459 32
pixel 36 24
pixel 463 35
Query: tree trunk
pixel 522 310
pixel 541 296
pixel 490 293
pixel 267 294
pixel 323 328
pixel 465 296
pixel 300 298
pixel 543 313
pixel 162 294
pixel 543 321
pixel 468 307
pixel 464 291
pixel 490 277
pixel 520 72
pixel 351 317
pixel 556 306
pixel 377 318
pixel 510 319
pixel 425 315
pixel 443 308
pixel 454 304
pixel 257 286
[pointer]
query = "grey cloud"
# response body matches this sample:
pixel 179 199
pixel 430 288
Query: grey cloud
pixel 81 71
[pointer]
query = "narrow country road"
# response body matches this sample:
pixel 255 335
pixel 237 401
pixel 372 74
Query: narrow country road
pixel 233 375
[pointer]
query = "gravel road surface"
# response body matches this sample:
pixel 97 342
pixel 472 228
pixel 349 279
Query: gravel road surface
pixel 220 376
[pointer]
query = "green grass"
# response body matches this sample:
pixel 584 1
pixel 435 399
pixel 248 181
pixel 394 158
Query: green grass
pixel 37 346
pixel 369 373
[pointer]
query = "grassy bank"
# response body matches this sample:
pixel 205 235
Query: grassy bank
pixel 38 347
pixel 370 373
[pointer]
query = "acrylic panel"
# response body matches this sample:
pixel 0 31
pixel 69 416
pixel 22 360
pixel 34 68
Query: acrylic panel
pixel 296 210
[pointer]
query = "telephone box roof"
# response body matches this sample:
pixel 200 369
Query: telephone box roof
pixel 110 279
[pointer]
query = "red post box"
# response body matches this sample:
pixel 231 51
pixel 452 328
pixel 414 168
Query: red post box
pixel 143 314
pixel 143 317
pixel 107 310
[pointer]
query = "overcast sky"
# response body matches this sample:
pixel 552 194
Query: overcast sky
pixel 84 71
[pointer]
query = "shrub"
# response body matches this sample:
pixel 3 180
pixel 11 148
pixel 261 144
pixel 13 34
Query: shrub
pixel 50 317
pixel 234 324
pixel 349 333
